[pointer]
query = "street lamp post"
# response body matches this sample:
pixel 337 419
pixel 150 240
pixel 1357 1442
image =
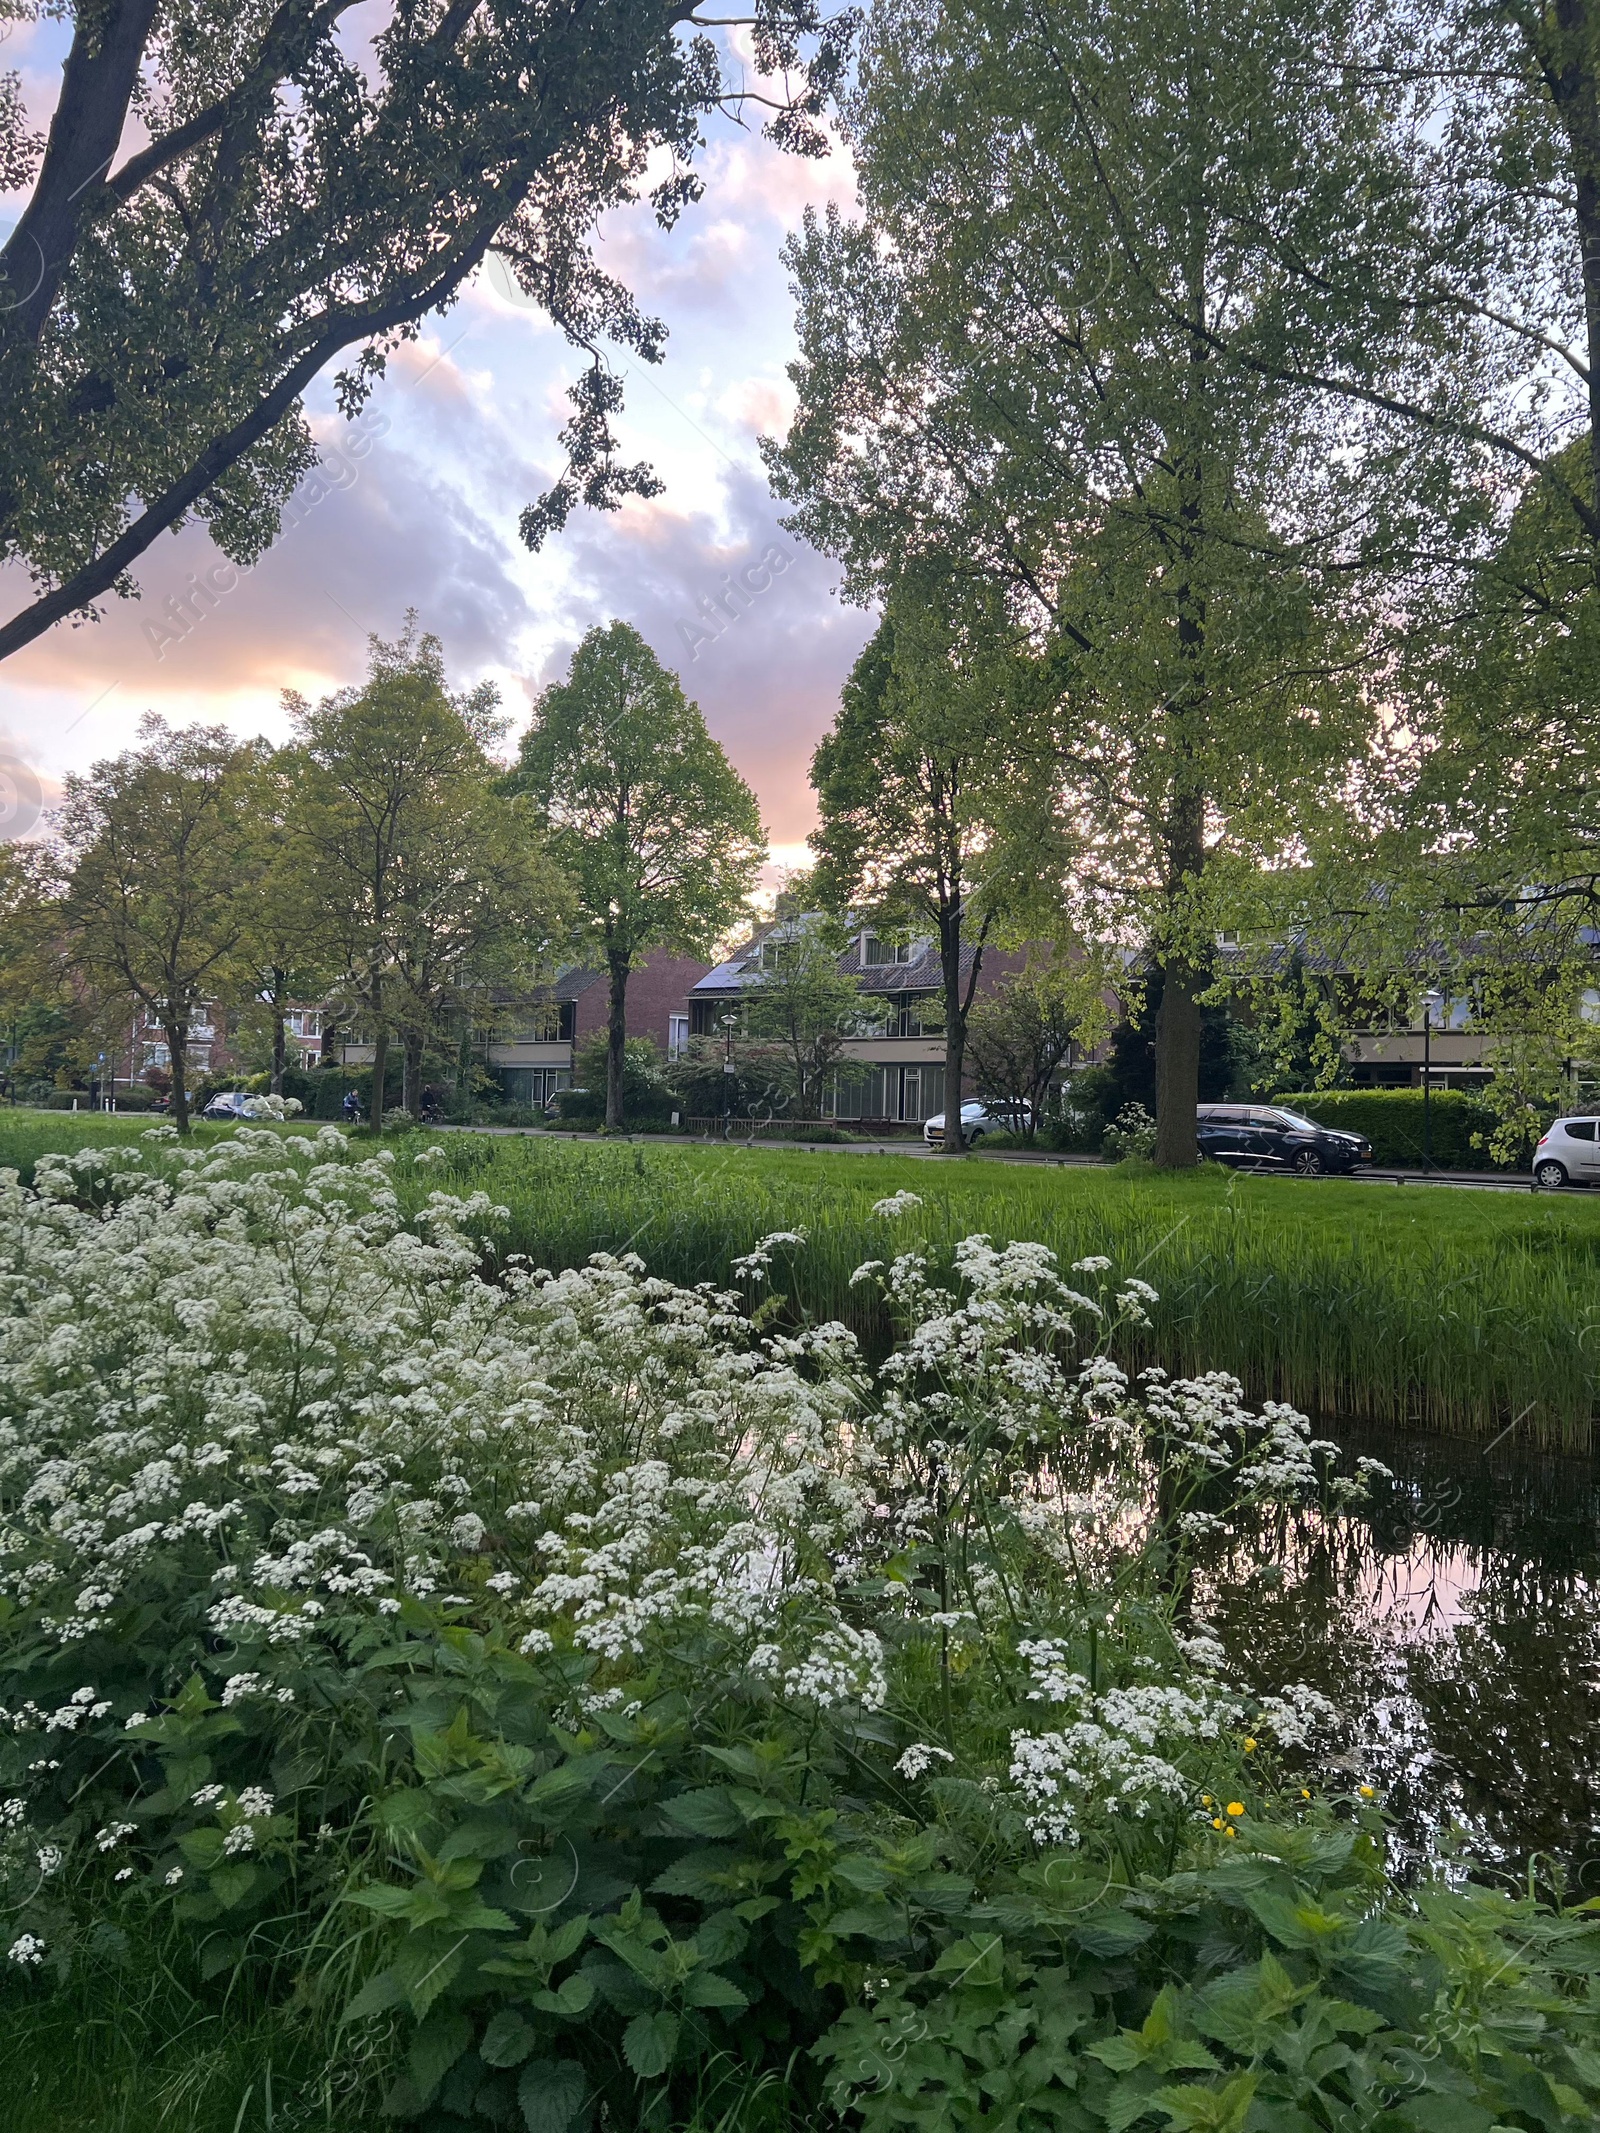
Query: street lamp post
pixel 1428 1001
pixel 728 1025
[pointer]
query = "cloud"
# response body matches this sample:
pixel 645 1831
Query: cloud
pixel 463 435
pixel 377 528
pixel 742 611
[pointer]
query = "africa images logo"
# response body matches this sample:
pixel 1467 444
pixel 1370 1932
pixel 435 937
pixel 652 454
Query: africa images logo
pixel 21 798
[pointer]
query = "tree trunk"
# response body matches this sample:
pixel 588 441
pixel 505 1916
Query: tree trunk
pixel 1565 49
pixel 616 1039
pixel 177 1052
pixel 1177 1070
pixel 380 1058
pixel 279 1045
pixel 411 1076
pixel 464 1065
pixel 955 1029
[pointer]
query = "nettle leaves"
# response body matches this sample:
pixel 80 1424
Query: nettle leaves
pixel 1441 2024
pixel 570 1933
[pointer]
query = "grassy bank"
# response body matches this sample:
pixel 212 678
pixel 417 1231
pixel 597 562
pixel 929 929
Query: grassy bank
pixel 1457 1311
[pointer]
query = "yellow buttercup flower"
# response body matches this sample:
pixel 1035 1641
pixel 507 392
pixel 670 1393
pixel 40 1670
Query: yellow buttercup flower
pixel 1232 1832
pixel 1216 1821
pixel 1236 1807
pixel 1305 1792
pixel 1249 1747
pixel 1366 1792
pixel 1205 1799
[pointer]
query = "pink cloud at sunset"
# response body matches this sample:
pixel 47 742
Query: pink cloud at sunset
pixel 417 507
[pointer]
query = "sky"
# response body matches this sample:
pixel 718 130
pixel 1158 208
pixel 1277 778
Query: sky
pixel 416 506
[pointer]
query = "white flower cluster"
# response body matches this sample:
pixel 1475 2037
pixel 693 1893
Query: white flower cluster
pixel 235 1372
pixel 1115 1757
pixel 239 1387
pixel 898 1203
pixel 921 1757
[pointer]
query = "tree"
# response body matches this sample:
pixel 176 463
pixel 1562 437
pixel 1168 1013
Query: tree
pixel 803 1009
pixel 155 903
pixel 482 905
pixel 292 198
pixel 658 834
pixel 1021 1034
pixel 284 944
pixel 1030 365
pixel 911 785
pixel 392 786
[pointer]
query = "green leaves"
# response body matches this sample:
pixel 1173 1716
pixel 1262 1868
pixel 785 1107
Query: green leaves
pixel 436 2047
pixel 710 1812
pixel 551 2094
pixel 649 2042
pixel 1223 2109
pixel 508 2039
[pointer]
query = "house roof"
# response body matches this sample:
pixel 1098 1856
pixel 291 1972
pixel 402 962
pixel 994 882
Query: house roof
pixel 742 970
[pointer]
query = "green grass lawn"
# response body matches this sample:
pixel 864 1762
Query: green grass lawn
pixel 1460 1311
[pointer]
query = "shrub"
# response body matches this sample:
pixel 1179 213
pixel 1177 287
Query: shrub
pixel 1391 1119
pixel 1131 1134
pixel 574 1682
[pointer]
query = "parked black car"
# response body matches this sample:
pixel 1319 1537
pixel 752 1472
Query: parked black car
pixel 1263 1137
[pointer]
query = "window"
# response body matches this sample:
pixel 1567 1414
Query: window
pixel 305 1022
pixel 677 1036
pixel 552 1023
pixel 922 1015
pixel 533 1085
pixel 875 952
pixel 1581 1129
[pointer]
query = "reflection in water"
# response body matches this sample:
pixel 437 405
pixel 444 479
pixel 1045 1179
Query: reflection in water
pixel 1456 1622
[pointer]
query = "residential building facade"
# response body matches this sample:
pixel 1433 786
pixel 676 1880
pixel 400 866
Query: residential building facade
pixel 895 1072
pixel 539 1056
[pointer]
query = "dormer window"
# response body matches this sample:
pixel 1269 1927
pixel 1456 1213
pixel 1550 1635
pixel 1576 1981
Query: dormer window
pixel 875 952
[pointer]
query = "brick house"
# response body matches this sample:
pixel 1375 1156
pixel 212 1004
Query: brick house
pixel 898 1076
pixel 539 1057
pixel 146 1048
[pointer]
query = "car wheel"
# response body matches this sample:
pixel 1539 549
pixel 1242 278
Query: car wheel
pixel 1308 1164
pixel 1550 1175
pixel 974 1138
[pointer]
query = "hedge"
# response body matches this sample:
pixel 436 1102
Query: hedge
pixel 1392 1120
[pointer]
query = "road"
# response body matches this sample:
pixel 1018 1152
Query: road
pixel 1461 1180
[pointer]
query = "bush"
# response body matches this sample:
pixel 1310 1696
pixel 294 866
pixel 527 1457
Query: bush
pixel 1130 1135
pixel 648 1097
pixel 569 1686
pixel 1391 1119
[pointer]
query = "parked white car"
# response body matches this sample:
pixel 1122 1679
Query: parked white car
pixel 1569 1154
pixel 980 1116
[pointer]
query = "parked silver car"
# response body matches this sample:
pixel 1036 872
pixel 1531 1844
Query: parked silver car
pixel 1569 1154
pixel 227 1103
pixel 981 1115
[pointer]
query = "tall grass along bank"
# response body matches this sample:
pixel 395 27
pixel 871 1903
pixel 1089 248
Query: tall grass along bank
pixel 1465 1313
pixel 1454 1311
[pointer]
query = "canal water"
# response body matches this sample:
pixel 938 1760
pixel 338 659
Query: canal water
pixel 1456 1623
